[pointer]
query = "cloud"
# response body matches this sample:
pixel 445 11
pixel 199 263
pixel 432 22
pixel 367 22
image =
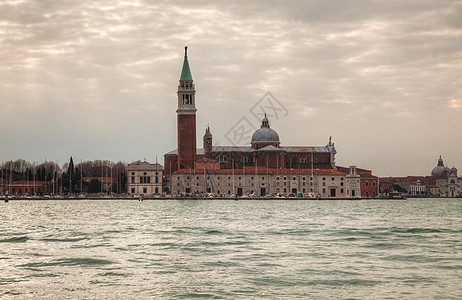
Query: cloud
pixel 107 72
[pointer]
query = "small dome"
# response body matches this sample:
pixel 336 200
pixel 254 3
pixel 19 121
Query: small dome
pixel 265 134
pixel 440 169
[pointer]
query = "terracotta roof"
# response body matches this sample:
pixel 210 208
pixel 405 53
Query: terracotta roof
pixel 261 171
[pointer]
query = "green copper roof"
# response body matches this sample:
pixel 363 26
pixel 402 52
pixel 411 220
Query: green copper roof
pixel 186 72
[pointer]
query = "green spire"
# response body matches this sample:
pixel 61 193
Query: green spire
pixel 186 72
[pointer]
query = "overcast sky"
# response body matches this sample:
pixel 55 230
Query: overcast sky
pixel 98 79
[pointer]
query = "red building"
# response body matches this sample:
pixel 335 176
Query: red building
pixel 369 182
pixel 21 188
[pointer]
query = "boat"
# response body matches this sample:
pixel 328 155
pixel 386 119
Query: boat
pixel 396 196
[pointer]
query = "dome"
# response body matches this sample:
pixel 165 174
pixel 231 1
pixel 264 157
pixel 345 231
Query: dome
pixel 440 169
pixel 265 134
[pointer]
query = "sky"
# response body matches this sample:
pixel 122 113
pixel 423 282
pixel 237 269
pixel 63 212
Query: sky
pixel 98 79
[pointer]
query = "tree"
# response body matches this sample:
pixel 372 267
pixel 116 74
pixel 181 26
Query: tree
pixel 399 188
pixel 95 186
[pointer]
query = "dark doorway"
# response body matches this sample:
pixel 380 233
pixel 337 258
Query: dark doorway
pixel 262 192
pixel 239 191
pixel 333 192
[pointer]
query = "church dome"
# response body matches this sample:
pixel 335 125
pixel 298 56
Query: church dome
pixel 440 169
pixel 265 134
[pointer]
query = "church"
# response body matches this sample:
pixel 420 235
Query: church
pixel 263 168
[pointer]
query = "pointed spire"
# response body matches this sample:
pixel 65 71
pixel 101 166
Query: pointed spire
pixel 440 162
pixel 265 122
pixel 186 72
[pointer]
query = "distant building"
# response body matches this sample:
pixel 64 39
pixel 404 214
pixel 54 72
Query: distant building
pixel 144 178
pixel 369 182
pixel 21 188
pixel 443 182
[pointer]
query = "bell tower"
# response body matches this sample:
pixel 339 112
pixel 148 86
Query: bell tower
pixel 186 117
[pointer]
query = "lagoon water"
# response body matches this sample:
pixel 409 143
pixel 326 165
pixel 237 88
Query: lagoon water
pixel 272 249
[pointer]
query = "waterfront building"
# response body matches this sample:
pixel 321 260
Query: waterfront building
pixel 264 167
pixel 144 178
pixel 443 182
pixel 369 182
pixel 23 188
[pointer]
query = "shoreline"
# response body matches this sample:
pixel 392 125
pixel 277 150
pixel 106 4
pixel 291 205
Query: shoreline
pixel 195 198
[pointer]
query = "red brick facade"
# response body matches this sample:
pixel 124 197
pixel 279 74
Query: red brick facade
pixel 186 141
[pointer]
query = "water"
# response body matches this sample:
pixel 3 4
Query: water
pixel 122 249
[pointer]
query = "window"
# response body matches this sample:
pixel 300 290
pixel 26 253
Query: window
pixel 187 177
pixel 246 159
pixel 133 173
pixel 373 183
pixel 285 178
pixel 277 178
pixel 293 178
pixel 303 178
pixel 324 178
pixel 145 190
pixel 304 191
pixel 133 190
pixel 341 191
pixel 303 160
pixel 324 191
pixel 367 183
pixel 133 179
pixel 222 158
pixel 262 178
pixel 341 183
pixel 333 178
pixel 144 173
pixel 315 160
pixel 341 178
pixel 323 184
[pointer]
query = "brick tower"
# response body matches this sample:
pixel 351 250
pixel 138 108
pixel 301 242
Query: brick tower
pixel 186 116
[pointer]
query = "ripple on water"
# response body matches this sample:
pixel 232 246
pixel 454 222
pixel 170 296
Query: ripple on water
pixel 18 239
pixel 76 261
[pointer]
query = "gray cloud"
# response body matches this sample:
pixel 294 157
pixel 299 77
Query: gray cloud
pixel 97 79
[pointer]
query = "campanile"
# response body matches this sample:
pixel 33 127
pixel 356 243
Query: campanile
pixel 186 117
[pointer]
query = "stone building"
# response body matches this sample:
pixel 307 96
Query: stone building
pixel 443 182
pixel 257 169
pixel 259 181
pixel 144 178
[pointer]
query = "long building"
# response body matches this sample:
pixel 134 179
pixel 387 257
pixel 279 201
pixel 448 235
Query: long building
pixel 264 167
